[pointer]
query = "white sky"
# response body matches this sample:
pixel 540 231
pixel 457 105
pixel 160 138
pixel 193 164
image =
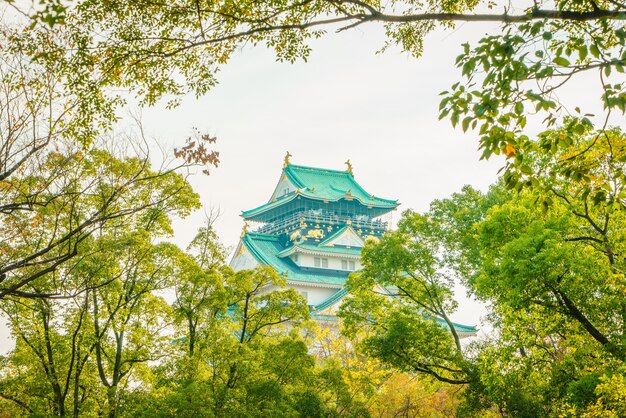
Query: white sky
pixel 380 111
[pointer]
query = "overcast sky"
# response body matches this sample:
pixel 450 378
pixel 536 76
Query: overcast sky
pixel 346 102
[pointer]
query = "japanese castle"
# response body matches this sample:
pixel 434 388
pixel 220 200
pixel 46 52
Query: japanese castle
pixel 312 231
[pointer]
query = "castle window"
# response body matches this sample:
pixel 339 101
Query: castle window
pixel 348 265
pixel 320 262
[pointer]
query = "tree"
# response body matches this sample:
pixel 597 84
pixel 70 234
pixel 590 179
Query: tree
pixel 48 371
pixel 55 205
pixel 200 289
pixel 404 290
pixel 52 112
pixel 368 387
pixel 99 305
pixel 553 280
pixel 233 355
pixel 130 319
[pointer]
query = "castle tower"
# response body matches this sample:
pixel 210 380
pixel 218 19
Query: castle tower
pixel 312 231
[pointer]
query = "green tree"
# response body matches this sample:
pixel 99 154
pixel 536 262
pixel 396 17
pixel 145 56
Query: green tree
pixel 233 354
pixel 66 325
pixel 48 372
pixel 550 273
pixel 64 196
pixel 201 296
pixel 404 291
pixel 130 319
pixel 553 278
pixel 52 114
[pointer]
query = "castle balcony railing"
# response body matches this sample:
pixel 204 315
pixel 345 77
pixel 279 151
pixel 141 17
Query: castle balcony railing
pixel 322 217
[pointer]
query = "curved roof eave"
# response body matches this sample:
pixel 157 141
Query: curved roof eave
pixel 292 173
pixel 319 251
pixel 249 214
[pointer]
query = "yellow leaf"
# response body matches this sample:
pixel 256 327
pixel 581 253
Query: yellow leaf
pixel 509 151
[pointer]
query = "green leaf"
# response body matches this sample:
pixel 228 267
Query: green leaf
pixel 454 118
pixel 526 169
pixel 561 61
pixel 594 50
pixel 465 123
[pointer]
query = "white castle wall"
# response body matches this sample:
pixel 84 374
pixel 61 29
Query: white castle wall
pixel 334 262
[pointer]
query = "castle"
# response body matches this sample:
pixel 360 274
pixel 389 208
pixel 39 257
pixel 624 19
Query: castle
pixel 312 231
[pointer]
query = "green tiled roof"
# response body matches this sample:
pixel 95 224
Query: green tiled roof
pixel 265 249
pixel 330 318
pixel 341 293
pixel 268 206
pixel 332 185
pixel 323 184
pixel 458 327
pixel 334 298
pixel 353 251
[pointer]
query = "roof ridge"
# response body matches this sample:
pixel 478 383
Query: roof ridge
pixel 319 169
pixel 270 237
pixel 346 173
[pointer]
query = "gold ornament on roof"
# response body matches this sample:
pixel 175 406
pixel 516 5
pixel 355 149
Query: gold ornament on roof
pixel 349 166
pixel 296 236
pixel 244 229
pixel 315 233
pixel 286 160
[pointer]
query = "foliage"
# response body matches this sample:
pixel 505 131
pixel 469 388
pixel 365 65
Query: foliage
pixel 83 223
pixel 62 178
pixel 404 292
pixel 379 391
pixel 512 78
pixel 53 207
pixel 157 50
pixel 76 348
pixel 553 280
